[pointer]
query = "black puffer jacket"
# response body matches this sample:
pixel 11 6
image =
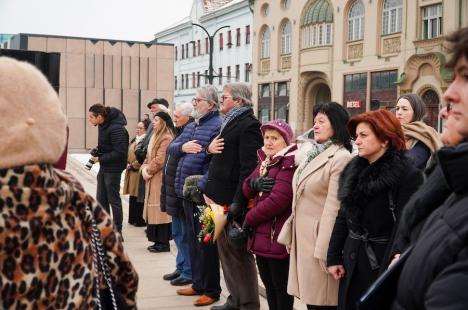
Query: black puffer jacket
pixel 436 272
pixel 113 142
pixel 170 203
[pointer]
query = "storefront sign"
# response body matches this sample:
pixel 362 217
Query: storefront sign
pixel 356 104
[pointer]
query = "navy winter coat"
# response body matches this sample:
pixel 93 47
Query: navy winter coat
pixel 194 164
pixel 113 142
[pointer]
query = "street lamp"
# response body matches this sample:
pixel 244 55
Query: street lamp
pixel 211 75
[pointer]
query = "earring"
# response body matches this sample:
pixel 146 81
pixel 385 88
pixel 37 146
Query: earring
pixel 383 145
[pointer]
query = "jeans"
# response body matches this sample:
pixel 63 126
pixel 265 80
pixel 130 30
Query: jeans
pixel 179 234
pixel 108 192
pixel 274 274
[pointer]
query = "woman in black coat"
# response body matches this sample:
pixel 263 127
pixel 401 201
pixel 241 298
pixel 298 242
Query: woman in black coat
pixel 373 189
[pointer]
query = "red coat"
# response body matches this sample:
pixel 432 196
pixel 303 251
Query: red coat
pixel 271 209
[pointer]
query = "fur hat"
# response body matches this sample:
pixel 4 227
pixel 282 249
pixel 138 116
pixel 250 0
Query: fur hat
pixel 281 126
pixel 32 126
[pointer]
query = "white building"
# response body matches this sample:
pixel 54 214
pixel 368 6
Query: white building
pixel 232 49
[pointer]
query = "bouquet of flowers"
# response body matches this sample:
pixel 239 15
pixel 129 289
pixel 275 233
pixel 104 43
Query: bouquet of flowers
pixel 213 218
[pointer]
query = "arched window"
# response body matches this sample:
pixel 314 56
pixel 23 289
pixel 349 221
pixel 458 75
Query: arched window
pixel 391 18
pixel 317 25
pixel 265 43
pixel 286 38
pixel 356 21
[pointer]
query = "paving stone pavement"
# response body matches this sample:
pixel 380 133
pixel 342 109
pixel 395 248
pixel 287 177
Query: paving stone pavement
pixel 153 291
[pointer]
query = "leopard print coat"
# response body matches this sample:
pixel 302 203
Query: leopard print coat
pixel 45 251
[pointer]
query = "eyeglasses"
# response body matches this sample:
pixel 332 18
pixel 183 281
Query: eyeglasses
pixel 140 128
pixel 198 100
pixel 224 97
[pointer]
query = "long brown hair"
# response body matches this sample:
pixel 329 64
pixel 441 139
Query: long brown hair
pixel 161 131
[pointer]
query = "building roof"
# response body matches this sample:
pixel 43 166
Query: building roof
pixel 319 12
pixel 213 5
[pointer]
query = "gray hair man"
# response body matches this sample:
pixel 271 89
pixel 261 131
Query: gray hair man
pixel 234 156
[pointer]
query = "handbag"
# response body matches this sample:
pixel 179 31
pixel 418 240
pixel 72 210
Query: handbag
pixel 285 235
pixel 107 298
pixel 382 292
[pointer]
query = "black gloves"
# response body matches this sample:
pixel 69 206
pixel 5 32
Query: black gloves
pixel 235 210
pixel 193 193
pixel 262 184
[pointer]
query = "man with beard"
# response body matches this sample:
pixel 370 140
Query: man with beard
pixel 190 148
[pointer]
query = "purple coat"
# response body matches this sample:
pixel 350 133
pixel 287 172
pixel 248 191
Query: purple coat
pixel 271 209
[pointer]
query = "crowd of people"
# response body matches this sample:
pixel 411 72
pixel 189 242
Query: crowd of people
pixel 320 216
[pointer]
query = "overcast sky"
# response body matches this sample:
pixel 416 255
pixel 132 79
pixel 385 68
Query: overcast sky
pixel 133 20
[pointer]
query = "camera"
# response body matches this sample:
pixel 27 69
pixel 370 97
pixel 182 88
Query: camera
pixel 95 153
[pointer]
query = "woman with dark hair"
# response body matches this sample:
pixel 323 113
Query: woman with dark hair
pixel 315 206
pixel 159 223
pixel 421 140
pixel 373 189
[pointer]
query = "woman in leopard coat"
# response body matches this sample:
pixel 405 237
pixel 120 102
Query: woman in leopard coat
pixel 46 256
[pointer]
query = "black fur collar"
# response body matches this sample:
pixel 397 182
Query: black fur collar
pixel 360 181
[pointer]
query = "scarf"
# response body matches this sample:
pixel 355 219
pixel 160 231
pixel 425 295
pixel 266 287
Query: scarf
pixel 316 149
pixel 139 138
pixel 232 114
pixel 419 131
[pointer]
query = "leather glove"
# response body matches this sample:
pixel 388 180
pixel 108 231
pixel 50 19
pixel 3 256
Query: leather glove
pixel 194 194
pixel 235 210
pixel 262 184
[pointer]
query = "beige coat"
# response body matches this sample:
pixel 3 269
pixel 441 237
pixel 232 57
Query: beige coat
pixel 315 206
pixel 153 167
pixel 132 177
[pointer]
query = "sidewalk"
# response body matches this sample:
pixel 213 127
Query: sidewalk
pixel 153 292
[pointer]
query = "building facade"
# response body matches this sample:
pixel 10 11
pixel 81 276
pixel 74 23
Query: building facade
pixel 122 74
pixel 360 53
pixel 231 49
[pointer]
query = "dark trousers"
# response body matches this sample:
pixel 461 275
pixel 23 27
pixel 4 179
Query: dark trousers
pixel 274 274
pixel 240 274
pixel 135 212
pixel 108 192
pixel 204 258
pixel 310 307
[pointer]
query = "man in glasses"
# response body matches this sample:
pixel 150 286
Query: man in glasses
pixel 234 156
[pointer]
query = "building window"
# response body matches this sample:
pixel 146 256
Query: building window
pixel 182 81
pixel 221 42
pixel 238 37
pixel 264 103
pixel 198 48
pixel 286 4
pixel 265 43
pixel 229 44
pixel 432 101
pixel 207 46
pixel 186 81
pixel 282 101
pixel 175 82
pixel 383 89
pixel 317 25
pixel 356 21
pixel 183 51
pixel 198 79
pixel 237 73
pixel 175 53
pixel 286 38
pixel 194 81
pixel 220 76
pixel 247 34
pixel 206 77
pixel 228 74
pixel 432 21
pixel 186 50
pixel 247 72
pixel 355 89
pixel 194 49
pixel 391 19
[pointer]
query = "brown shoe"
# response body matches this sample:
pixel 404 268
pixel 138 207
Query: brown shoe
pixel 187 292
pixel 204 300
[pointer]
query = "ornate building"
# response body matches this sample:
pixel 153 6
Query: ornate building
pixel 361 53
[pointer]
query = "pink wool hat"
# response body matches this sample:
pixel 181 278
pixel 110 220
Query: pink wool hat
pixel 32 124
pixel 281 126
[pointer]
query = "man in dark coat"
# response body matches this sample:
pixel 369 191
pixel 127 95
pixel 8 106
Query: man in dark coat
pixel 190 148
pixel 113 148
pixel 234 156
pixel 172 204
pixel 440 254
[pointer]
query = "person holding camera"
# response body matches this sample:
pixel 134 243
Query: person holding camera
pixel 132 177
pixel 234 157
pixel 269 185
pixel 113 147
